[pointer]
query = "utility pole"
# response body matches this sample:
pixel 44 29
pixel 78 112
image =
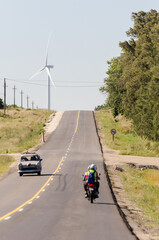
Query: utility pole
pixel 4 96
pixel 14 94
pixel 32 105
pixel 27 102
pixel 21 98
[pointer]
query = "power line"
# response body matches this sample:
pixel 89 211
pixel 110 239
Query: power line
pixel 27 80
pixel 89 86
pixel 44 85
pixel 39 84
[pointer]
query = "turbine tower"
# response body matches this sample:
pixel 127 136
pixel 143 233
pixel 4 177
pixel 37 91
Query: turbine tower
pixel 47 67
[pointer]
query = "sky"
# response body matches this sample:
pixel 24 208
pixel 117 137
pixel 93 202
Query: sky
pixel 85 34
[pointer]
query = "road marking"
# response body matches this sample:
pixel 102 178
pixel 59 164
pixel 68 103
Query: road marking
pixel 7 218
pixel 20 210
pixel 8 215
pixel 43 190
pixel 77 122
pixel 37 197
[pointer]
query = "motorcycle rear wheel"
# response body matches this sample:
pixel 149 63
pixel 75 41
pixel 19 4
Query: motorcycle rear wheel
pixel 91 197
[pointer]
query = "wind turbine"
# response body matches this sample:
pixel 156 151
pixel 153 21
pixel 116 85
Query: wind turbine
pixel 47 68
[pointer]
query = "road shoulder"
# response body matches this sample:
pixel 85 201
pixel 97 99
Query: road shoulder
pixel 131 214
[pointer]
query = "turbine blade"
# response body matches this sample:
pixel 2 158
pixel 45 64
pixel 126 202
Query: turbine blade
pixel 48 72
pixel 47 48
pixel 35 74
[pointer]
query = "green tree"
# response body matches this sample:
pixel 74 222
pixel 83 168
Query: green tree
pixel 1 104
pixel 133 78
pixel 113 86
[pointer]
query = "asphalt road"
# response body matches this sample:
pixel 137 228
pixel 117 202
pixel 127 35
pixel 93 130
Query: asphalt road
pixel 60 211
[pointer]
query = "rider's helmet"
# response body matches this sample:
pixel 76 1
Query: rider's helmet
pixel 92 166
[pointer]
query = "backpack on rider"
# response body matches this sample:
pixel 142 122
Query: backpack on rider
pixel 90 178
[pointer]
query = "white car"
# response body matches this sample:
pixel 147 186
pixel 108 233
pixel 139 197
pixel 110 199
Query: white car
pixel 29 163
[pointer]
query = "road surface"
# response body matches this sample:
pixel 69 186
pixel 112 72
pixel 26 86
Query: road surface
pixel 53 207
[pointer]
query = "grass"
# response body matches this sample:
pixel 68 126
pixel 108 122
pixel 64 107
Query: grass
pixel 142 187
pixel 126 139
pixel 5 162
pixel 21 129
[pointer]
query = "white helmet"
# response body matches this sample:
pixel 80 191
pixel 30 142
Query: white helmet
pixel 93 167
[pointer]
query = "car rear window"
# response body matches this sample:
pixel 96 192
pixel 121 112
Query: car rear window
pixel 30 158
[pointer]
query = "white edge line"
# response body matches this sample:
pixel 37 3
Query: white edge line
pixel 7 218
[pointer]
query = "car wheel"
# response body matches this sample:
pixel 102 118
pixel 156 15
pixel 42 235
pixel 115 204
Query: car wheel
pixel 39 173
pixel 20 174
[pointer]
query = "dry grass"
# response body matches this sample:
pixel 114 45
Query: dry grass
pixel 21 129
pixel 126 139
pixel 142 187
pixel 5 162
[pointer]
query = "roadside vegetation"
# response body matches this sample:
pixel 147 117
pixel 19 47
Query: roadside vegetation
pixel 131 88
pixel 20 129
pixel 142 187
pixel 126 140
pixel 5 162
pixel 132 82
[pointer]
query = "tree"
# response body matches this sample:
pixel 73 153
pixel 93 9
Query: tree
pixel 133 77
pixel 1 104
pixel 113 86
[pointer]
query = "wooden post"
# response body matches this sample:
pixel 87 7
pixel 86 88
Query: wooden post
pixel 43 137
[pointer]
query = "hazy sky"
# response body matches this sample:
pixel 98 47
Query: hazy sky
pixel 85 35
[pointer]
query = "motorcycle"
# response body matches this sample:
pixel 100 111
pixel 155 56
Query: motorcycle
pixel 91 192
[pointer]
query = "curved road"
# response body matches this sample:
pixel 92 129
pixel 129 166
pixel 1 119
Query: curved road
pixel 53 207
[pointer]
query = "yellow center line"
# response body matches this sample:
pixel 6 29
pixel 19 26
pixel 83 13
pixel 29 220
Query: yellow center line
pixel 31 199
pixel 77 122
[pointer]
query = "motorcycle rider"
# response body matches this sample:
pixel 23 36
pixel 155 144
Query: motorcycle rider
pixel 93 169
pixel 93 173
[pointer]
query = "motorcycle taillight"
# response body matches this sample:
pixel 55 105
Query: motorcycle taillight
pixel 90 185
